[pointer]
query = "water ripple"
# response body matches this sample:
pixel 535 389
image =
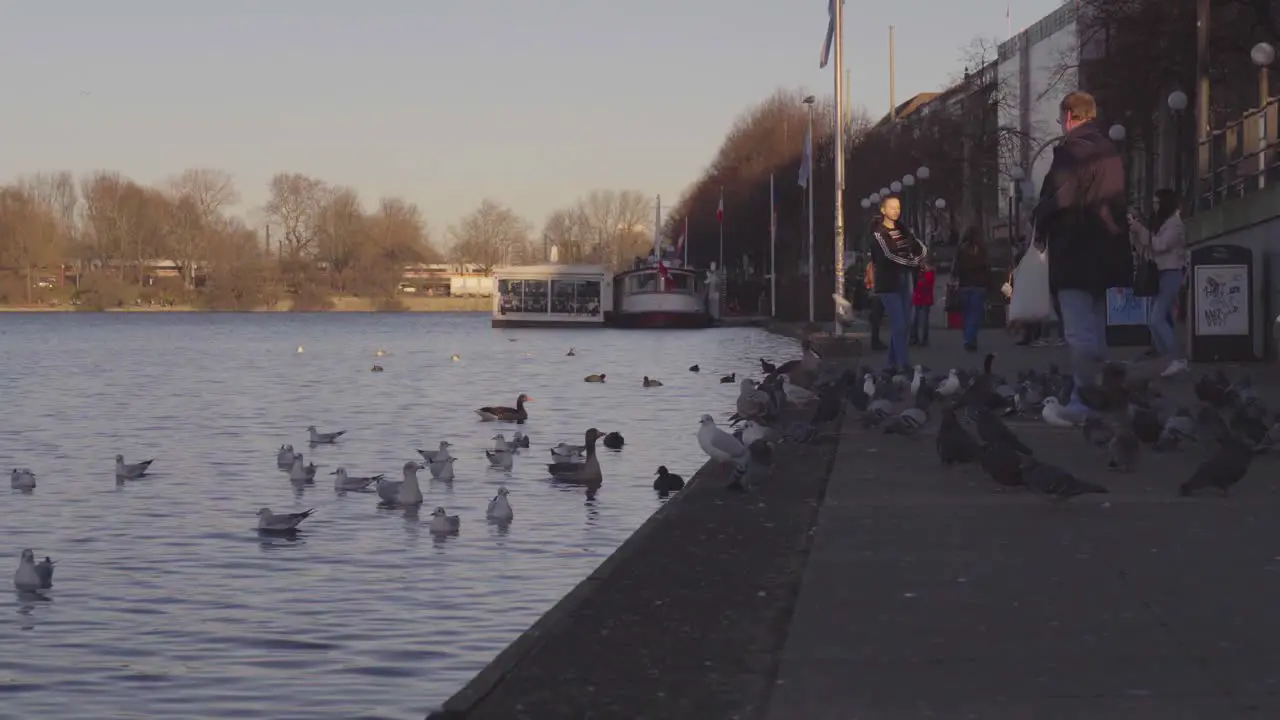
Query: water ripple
pixel 168 604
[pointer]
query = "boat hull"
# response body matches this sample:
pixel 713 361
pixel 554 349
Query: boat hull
pixel 660 319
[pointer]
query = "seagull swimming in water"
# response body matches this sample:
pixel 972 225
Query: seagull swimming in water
pixel 269 521
pixel 442 523
pixel 499 509
pixel 345 483
pixel 125 471
pixel 319 438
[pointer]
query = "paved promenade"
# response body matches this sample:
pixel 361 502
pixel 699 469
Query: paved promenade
pixel 929 594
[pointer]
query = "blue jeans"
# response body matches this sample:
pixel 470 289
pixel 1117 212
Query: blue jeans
pixel 920 324
pixel 1163 335
pixel 1084 325
pixel 973 304
pixel 897 307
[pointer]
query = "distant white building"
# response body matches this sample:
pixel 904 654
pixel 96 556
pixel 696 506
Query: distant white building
pixel 1036 68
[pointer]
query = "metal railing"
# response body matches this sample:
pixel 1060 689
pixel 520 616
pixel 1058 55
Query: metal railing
pixel 1241 158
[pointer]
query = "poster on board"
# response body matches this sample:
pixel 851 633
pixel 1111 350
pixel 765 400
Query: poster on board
pixel 1222 299
pixel 1125 308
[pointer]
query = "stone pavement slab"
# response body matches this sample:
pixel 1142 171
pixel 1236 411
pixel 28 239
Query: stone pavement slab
pixel 929 593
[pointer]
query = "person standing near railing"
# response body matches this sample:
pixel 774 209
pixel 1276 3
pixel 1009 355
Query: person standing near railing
pixel 1167 247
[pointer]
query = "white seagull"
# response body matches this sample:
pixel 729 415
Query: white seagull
pixel 300 473
pixel 404 492
pixel 499 509
pixel 319 438
pixel 344 482
pixel 1056 415
pixel 432 456
pixel 720 445
pixel 268 520
pixel 442 469
pixel 125 471
pixel 442 523
pixel 25 578
pixel 284 457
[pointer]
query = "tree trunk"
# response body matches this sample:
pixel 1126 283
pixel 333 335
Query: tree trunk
pixel 28 283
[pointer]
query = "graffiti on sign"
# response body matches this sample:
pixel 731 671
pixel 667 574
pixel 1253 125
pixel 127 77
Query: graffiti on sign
pixel 1222 300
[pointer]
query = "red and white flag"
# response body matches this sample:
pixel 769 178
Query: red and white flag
pixel 720 208
pixel 679 251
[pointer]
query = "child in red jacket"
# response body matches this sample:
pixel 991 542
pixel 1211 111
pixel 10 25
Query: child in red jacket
pixel 923 302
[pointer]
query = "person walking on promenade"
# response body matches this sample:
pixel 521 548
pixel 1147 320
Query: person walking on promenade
pixel 895 256
pixel 1081 216
pixel 1165 242
pixel 971 273
pixel 923 302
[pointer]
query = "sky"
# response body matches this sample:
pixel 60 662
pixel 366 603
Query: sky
pixel 532 103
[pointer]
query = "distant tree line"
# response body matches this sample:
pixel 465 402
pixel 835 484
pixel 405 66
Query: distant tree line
pixel 96 241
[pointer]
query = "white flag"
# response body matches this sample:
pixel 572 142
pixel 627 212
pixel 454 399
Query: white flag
pixel 806 160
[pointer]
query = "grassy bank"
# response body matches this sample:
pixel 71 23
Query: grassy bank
pixel 340 304
pixel 686 619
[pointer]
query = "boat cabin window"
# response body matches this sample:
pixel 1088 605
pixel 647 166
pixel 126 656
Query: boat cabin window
pixel 575 297
pixel 522 296
pixel 642 282
pixel 679 282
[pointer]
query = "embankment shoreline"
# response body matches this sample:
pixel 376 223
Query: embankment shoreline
pixel 340 304
pixel 686 619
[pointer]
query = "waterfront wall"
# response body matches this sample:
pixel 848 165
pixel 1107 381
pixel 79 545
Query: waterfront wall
pixel 685 619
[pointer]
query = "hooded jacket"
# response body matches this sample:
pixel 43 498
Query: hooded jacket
pixel 1081 214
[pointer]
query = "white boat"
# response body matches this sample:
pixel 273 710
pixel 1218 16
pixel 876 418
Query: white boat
pixel 552 296
pixel 661 295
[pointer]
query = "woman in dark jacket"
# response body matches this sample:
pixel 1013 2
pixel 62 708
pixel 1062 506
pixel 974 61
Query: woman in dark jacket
pixel 895 256
pixel 971 275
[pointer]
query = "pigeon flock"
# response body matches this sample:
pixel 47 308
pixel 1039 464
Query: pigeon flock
pixel 1128 417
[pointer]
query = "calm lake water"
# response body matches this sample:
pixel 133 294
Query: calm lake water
pixel 168 604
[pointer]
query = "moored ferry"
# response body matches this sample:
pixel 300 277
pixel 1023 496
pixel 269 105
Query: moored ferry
pixel 660 294
pixel 564 296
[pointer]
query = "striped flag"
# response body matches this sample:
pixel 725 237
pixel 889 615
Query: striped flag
pixel 720 208
pixel 806 160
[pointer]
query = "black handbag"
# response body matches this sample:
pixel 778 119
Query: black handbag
pixel 1146 277
pixel 952 302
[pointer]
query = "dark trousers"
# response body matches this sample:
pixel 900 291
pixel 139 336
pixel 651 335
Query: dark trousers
pixel 876 319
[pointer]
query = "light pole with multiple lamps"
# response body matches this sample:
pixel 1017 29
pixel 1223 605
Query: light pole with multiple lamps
pixel 1263 55
pixel 1177 103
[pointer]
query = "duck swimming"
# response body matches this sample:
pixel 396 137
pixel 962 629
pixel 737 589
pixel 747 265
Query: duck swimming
pixel 498 413
pixel 584 473
pixel 666 481
pixel 730 378
pixel 594 378
pixel 571 353
pixel 614 441
pixel 648 382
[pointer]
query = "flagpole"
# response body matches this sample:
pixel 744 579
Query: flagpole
pixel 686 240
pixel 810 189
pixel 838 74
pixel 720 217
pixel 773 253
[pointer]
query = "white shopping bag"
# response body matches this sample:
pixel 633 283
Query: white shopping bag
pixel 1031 301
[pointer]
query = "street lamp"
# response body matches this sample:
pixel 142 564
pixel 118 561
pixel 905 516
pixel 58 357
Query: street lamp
pixel 884 192
pixel 922 172
pixel 940 204
pixel 895 186
pixel 865 203
pixel 1177 103
pixel 1262 54
pixel 874 198
pixel 810 100
pixel 1116 133
pixel 1016 176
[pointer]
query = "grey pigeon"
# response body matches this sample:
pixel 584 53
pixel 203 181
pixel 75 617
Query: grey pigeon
pixel 1056 482
pixel 1003 464
pixel 1178 428
pixel 1224 468
pixel 992 430
pixel 913 418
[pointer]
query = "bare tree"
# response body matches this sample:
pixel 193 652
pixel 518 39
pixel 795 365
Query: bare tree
pixel 568 231
pixel 240 275
pixel 197 199
pixel 29 236
pixel 492 235
pixel 293 205
pixel 394 236
pixel 614 219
